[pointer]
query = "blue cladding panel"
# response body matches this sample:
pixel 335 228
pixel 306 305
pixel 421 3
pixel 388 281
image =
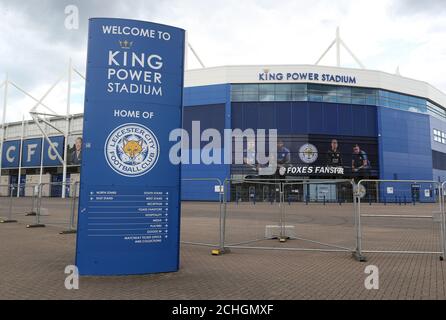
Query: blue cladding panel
pixel 317 118
pixel 330 119
pixel 210 116
pixel 359 121
pixel 197 96
pixel 306 118
pixel 405 146
pixel 284 119
pixel 300 116
pixel 345 119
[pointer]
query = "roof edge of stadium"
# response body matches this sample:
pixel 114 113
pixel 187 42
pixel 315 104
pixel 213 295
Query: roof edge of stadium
pixel 377 79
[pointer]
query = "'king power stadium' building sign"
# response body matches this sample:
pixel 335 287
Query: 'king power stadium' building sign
pixel 306 76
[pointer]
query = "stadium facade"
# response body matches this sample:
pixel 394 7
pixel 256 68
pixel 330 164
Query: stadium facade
pixel 363 123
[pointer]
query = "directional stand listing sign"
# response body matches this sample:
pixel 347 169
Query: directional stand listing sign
pixel 129 208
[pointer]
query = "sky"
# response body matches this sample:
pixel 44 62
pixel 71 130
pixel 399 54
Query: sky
pixel 384 34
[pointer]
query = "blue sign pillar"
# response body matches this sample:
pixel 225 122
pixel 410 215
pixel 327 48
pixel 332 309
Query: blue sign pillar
pixel 129 210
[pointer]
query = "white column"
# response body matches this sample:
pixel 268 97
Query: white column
pixel 186 52
pixel 41 160
pixel 65 157
pixel 2 133
pixel 21 156
pixel 338 47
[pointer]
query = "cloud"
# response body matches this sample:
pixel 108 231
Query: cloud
pixel 417 7
pixel 383 34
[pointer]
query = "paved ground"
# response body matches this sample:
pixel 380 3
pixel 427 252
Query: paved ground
pixel 32 261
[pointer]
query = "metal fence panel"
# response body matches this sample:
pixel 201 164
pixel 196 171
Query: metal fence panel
pixel 6 203
pixel 401 217
pixel 253 213
pixel 201 220
pixel 52 210
pixel 320 215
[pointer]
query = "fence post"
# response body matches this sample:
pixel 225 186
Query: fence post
pixel 9 218
pixel 71 227
pixel 38 210
pixel 282 237
pixel 222 208
pixel 357 208
pixel 443 219
pixel 32 213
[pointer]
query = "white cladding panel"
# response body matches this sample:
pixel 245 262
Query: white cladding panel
pixel 364 78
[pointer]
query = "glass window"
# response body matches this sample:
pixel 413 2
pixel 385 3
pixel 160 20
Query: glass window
pixel 284 97
pixel 283 88
pixel 299 87
pixel 334 94
pixel 266 92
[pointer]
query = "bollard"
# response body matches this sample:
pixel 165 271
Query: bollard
pixel 405 200
pixel 370 200
pixel 324 200
pixel 385 201
pixel 289 200
pixel 399 200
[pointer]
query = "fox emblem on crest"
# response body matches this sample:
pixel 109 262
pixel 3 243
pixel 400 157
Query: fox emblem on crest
pixel 132 148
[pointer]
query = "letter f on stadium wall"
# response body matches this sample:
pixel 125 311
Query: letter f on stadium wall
pixel 129 210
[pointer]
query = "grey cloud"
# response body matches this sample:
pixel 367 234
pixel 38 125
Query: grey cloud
pixel 412 7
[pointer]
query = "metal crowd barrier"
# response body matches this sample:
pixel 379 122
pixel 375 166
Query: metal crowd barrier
pixel 358 218
pixel 38 205
pixel 55 211
pixel 17 202
pixel 413 225
pixel 6 204
pixel 201 222
pixel 288 218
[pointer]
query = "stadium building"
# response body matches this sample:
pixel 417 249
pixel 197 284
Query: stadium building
pixel 332 122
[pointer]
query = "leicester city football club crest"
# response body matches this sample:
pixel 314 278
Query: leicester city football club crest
pixel 132 150
pixel 308 153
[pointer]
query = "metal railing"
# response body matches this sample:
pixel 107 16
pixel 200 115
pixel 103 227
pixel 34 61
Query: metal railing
pixel 285 217
pixel 336 216
pixel 37 205
pixel 420 214
pixel 56 211
pixel 6 204
pixel 207 233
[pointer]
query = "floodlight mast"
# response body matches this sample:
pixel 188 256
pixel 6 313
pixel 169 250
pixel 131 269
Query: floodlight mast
pixel 340 43
pixel 196 55
pixel 5 103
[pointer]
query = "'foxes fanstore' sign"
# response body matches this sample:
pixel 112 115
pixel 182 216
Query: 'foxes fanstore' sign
pixel 129 208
